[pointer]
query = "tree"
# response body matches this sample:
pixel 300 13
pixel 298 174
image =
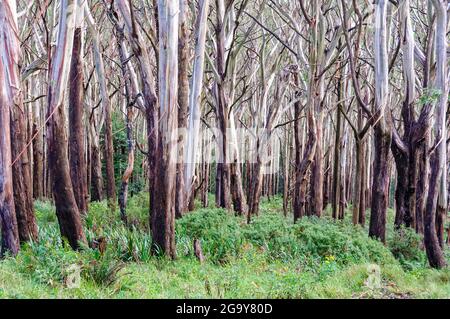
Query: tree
pixel 21 168
pixel 9 229
pixel 163 213
pixel 69 218
pixel 437 196
pixel 183 104
pixel 192 143
pixel 383 132
pixel 77 156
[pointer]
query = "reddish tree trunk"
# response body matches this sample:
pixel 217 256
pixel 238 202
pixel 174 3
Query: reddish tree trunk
pixel 13 99
pixel 9 229
pixel 22 184
pixel 78 167
pixel 58 162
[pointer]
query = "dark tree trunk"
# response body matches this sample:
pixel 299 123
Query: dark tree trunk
pixel 257 184
pixel 96 175
pixel 422 184
pixel 380 184
pixel 57 144
pixel 205 185
pixel 78 167
pixel 362 190
pixel 21 170
pixel 299 207
pixel 358 181
pixel 206 167
pixel 38 162
pixel 401 162
pixel 237 192
pixel 66 207
pixel 9 229
pixel 223 180
pixel 337 165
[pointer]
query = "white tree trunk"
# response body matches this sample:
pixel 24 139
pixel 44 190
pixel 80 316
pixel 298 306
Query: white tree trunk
pixel 192 143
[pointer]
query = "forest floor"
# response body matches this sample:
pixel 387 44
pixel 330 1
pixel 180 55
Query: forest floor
pixel 270 258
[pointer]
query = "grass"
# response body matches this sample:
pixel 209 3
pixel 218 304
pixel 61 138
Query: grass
pixel 270 258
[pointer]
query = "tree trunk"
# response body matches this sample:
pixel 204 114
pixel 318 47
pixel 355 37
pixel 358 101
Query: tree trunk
pixel 195 95
pixel 9 229
pixel 96 174
pixel 109 159
pixel 163 214
pixel 66 206
pixel 317 170
pixel 109 147
pixel 183 105
pixel 302 169
pixel 78 167
pixel 437 196
pixel 382 134
pixel 223 181
pixel 38 150
pixel 337 159
pixel 362 194
pixel 237 192
pixel 123 194
pixel 380 184
pixel 21 167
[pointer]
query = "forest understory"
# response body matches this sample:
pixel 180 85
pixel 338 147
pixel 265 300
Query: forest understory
pixel 270 258
pixel 224 149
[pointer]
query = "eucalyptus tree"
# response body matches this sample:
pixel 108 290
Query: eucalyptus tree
pixel 192 143
pixel 163 215
pixel 78 165
pixel 9 229
pixel 66 206
pixel 183 103
pixel 21 169
pixel 437 197
pixel 228 175
pixel 96 117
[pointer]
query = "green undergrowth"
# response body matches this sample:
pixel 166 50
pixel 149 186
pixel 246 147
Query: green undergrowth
pixel 269 258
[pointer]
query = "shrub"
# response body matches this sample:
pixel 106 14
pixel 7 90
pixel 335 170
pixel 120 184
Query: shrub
pixel 219 232
pixel 46 262
pixel 405 244
pixel 273 234
pixel 313 239
pixel 321 237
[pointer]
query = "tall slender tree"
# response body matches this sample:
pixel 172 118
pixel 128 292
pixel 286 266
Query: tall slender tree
pixel 77 156
pixel 21 168
pixel 67 211
pixel 9 229
pixel 163 213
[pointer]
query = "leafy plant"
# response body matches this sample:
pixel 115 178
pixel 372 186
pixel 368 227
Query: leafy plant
pixel 406 245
